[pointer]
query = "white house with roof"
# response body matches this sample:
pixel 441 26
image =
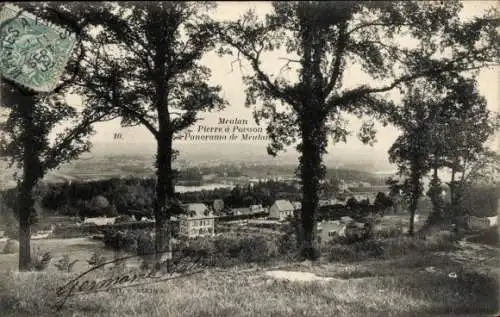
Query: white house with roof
pixel 281 209
pixel 198 221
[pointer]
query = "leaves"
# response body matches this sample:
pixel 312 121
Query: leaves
pixel 157 70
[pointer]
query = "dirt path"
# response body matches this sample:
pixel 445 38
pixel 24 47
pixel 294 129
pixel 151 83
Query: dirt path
pixel 476 256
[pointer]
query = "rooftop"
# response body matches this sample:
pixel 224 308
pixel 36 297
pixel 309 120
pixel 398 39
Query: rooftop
pixel 197 210
pixel 283 204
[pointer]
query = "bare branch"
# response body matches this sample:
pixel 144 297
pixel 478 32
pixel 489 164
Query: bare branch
pixel 51 159
pixel 269 85
pixel 371 24
pixel 287 64
pixel 358 92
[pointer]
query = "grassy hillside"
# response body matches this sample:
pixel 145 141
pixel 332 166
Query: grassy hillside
pixel 400 287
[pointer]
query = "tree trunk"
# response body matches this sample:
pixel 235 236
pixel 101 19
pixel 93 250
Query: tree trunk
pixel 456 192
pixel 311 172
pixel 164 191
pixel 26 202
pixel 413 209
pixel 415 195
pixel 434 193
pixel 164 185
pixel 453 188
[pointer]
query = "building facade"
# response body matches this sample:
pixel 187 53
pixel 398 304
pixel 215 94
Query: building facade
pixel 281 210
pixel 198 221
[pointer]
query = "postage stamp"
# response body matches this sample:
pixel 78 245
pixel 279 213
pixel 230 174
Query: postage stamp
pixel 34 52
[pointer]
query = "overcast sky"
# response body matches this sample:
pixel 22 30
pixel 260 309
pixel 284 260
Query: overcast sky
pixel 233 89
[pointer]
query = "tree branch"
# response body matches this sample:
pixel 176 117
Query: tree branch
pixel 373 23
pixel 339 51
pixel 142 119
pixel 55 152
pixel 263 77
pixel 358 92
pixel 287 63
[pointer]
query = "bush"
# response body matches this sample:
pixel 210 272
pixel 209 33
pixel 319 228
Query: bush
pixel 254 249
pixel 65 264
pixel 340 253
pixel 9 222
pixel 481 201
pixel 389 233
pixel 229 251
pixel 96 259
pixel 121 240
pixel 145 244
pixel 12 246
pixel 98 206
pixel 489 236
pixel 355 234
pixel 40 261
pixel 343 251
pixel 123 219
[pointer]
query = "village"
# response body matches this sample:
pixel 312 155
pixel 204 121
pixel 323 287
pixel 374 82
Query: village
pixel 252 159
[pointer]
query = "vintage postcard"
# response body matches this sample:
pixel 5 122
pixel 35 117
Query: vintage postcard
pixel 307 158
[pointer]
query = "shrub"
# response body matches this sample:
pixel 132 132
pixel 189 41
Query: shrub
pixel 97 207
pixel 123 219
pixel 339 253
pixel 389 233
pixel 65 264
pixel 379 247
pixel 489 236
pixel 145 244
pixel 9 222
pixel 96 259
pixel 12 246
pixel 227 251
pixel 482 201
pixel 137 241
pixel 254 249
pixel 355 234
pixel 40 261
pixel 287 244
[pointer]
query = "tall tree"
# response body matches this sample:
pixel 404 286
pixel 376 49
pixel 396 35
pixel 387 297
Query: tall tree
pixel 147 70
pixel 411 150
pixel 462 127
pixel 32 117
pixel 324 40
pixel 470 126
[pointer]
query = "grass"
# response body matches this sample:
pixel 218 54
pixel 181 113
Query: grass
pixel 396 281
pixel 235 293
pixel 488 237
pixel 385 286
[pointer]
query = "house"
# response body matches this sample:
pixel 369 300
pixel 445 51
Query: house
pixel 478 223
pixel 241 211
pixel 323 202
pixel 198 221
pixel 100 221
pixel 297 205
pixel 281 209
pixel 329 229
pixel 209 177
pixel 256 208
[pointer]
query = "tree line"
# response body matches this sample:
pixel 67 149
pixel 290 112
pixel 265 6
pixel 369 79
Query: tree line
pixel 153 77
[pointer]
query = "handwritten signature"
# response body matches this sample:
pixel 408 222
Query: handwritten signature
pixel 181 267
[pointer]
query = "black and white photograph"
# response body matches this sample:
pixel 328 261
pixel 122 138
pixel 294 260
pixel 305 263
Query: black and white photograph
pixel 249 158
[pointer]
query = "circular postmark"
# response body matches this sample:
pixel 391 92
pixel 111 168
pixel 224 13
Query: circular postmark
pixel 33 52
